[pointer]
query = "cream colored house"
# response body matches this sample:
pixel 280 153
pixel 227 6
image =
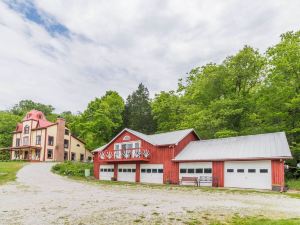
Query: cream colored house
pixel 37 139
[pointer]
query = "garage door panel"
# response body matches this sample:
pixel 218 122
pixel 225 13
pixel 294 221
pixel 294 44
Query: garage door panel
pixel 151 173
pixel 106 172
pixel 248 174
pixel 201 170
pixel 126 172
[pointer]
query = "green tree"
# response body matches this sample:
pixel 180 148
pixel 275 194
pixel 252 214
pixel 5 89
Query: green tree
pixel 137 115
pixel 167 111
pixel 8 123
pixel 25 106
pixel 102 119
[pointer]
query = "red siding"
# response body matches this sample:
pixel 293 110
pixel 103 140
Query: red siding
pixel 116 171
pixel 218 173
pixel 159 155
pixel 96 166
pixel 137 172
pixel 278 172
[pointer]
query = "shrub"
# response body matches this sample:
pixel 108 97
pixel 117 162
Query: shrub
pixel 72 168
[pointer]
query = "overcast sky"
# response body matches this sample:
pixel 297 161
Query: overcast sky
pixel 67 52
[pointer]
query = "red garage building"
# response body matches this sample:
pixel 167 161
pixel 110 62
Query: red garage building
pixel 254 161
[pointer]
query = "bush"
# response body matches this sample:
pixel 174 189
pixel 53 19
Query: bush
pixel 72 168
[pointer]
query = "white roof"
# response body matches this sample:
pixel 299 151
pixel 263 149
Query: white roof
pixel 100 148
pixel 271 145
pixel 167 138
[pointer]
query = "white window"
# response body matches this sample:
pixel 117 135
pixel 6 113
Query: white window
pixel 25 141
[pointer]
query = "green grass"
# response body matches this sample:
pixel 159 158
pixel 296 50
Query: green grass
pixel 293 184
pixel 237 220
pixel 73 169
pixel 8 171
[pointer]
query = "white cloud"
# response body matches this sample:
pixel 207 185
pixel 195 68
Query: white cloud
pixel 118 44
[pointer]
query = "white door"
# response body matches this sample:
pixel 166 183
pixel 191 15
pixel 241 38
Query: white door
pixel 106 172
pixel 201 170
pixel 152 173
pixel 248 174
pixel 126 172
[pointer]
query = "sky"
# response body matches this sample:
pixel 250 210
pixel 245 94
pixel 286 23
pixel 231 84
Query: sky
pixel 67 52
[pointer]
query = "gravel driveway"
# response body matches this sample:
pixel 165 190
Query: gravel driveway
pixel 40 197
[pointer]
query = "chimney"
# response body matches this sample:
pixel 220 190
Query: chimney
pixel 59 148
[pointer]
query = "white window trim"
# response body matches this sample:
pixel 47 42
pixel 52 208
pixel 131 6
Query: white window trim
pixel 127 142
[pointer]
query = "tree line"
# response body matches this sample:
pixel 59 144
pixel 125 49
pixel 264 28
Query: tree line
pixel 247 93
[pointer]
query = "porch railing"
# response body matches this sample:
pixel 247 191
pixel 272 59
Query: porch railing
pixel 126 154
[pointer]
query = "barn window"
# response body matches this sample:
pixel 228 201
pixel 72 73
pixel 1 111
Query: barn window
pixel 129 170
pixel 240 170
pixel 182 170
pixel 230 170
pixel 251 170
pixel 133 170
pixel 143 170
pixel 160 170
pixel 199 170
pixel 105 170
pixel 101 170
pixel 154 170
pixel 120 170
pixel 148 170
pixel 124 170
pixel 191 170
pixel 207 170
pixel 126 138
pixel 263 170
pixel 112 169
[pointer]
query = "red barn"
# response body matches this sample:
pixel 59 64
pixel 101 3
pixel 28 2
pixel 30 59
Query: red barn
pixel 254 161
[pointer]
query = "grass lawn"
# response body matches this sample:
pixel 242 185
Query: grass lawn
pixel 237 220
pixel 8 171
pixel 293 184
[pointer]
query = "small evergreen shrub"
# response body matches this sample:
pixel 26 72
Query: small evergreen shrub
pixel 72 168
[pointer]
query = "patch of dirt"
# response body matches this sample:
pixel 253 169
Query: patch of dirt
pixel 41 197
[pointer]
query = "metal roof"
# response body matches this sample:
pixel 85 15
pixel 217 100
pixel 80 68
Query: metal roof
pixel 100 148
pixel 270 145
pixel 168 138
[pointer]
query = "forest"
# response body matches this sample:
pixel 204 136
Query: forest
pixel 250 92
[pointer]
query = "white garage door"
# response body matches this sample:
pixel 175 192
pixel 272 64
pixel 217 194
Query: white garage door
pixel 201 170
pixel 106 172
pixel 126 172
pixel 248 174
pixel 152 173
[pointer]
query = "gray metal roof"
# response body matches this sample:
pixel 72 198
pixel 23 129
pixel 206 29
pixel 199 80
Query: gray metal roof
pixel 271 145
pixel 167 138
pixel 100 148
